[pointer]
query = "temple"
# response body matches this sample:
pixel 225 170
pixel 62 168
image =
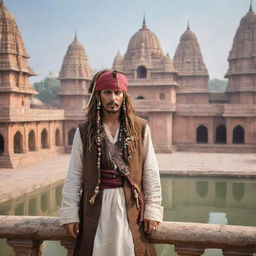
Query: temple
pixel 172 94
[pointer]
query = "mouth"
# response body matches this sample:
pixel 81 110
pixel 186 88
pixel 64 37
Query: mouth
pixel 112 104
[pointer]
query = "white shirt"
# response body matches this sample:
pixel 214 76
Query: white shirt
pixel 151 180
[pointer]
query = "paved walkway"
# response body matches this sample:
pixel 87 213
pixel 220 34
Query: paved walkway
pixel 24 179
pixel 210 164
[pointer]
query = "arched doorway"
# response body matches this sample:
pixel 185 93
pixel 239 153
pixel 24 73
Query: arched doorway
pixel 238 135
pixel 141 72
pixel 44 139
pixel 17 143
pixel 57 138
pixel 31 141
pixel 71 134
pixel 201 134
pixel 221 134
pixel 1 145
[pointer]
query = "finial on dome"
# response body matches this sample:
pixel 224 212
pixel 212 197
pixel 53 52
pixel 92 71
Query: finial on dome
pixel 188 28
pixel 144 26
pixel 250 9
pixel 75 39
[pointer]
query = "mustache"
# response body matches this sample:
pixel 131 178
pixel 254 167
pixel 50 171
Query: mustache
pixel 112 103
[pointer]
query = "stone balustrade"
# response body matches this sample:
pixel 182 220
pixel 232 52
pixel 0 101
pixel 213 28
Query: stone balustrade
pixel 26 234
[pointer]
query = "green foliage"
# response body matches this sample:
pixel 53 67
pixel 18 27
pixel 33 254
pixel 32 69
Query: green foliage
pixel 48 91
pixel 217 85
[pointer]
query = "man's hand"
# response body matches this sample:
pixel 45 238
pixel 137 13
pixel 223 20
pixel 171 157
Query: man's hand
pixel 150 225
pixel 72 229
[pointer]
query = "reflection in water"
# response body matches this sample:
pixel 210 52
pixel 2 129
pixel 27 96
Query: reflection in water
pixel 19 209
pixel 217 218
pixel 221 189
pixel 202 188
pixel 208 200
pixel 238 191
pixel 32 207
pixel 42 202
pixel 204 200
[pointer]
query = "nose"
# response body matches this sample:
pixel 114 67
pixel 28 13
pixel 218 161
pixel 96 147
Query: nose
pixel 113 96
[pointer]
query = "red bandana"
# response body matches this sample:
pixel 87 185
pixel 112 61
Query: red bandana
pixel 111 80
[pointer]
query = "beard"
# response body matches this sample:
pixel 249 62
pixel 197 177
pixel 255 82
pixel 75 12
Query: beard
pixel 114 110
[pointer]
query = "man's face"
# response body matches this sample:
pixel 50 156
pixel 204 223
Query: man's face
pixel 111 100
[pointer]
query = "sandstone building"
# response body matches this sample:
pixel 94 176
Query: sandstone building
pixel 172 95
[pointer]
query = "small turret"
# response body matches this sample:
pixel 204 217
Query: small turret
pixel 118 62
pixel 188 58
pixel 75 64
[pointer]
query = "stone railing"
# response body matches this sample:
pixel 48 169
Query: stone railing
pixel 26 234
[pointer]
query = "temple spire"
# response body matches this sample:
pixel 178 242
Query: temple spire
pixel 144 26
pixel 75 39
pixel 188 28
pixel 1 3
pixel 250 9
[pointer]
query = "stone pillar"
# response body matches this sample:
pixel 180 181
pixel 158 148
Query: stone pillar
pixel 189 250
pixel 26 247
pixel 211 132
pixel 69 245
pixel 25 141
pixel 38 137
pixel 50 137
pixel 229 131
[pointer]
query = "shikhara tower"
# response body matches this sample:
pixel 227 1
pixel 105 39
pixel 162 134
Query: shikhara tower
pixel 26 134
pixel 75 76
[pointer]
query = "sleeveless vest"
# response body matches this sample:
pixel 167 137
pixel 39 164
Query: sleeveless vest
pixel 89 214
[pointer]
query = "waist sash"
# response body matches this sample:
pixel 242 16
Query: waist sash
pixel 111 179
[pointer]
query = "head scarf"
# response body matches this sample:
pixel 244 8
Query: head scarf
pixel 111 80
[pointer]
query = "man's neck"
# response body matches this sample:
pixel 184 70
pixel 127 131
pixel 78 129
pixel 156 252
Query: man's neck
pixel 110 118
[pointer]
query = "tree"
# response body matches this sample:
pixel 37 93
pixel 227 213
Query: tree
pixel 217 85
pixel 48 91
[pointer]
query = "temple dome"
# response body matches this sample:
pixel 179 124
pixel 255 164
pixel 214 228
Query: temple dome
pixel 75 64
pixel 188 35
pixel 188 58
pixel 244 41
pixel 144 40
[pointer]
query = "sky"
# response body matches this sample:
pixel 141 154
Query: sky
pixel 106 26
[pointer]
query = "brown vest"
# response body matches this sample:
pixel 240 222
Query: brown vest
pixel 89 214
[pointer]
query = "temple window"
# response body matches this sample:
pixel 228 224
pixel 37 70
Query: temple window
pixel 221 134
pixel 238 135
pixel 141 72
pixel 202 134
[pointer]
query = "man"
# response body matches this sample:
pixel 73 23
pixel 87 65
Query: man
pixel 112 187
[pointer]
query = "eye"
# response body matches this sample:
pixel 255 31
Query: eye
pixel 118 92
pixel 107 92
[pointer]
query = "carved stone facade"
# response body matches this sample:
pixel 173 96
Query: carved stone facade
pixel 26 134
pixel 152 84
pixel 172 95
